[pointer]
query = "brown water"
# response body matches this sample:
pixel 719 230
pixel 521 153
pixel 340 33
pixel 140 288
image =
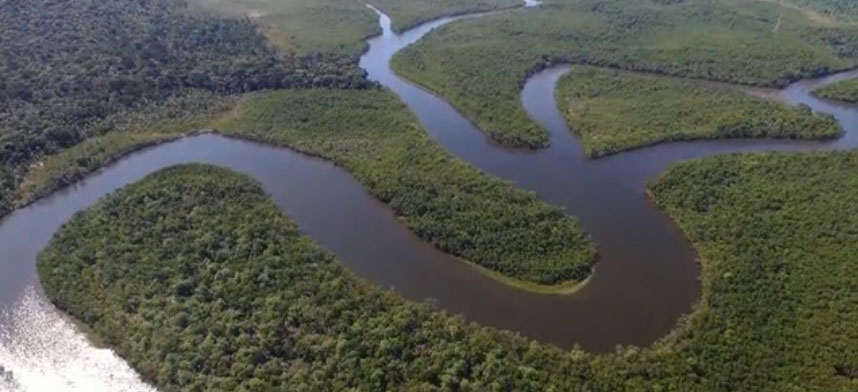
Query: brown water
pixel 647 276
pixel 645 280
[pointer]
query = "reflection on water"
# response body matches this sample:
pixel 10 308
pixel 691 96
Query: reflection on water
pixel 645 280
pixel 42 351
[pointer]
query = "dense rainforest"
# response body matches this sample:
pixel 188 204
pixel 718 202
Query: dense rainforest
pixel 511 233
pixel 74 69
pixel 458 209
pixel 738 41
pixel 196 278
pixel 446 202
pixel 614 110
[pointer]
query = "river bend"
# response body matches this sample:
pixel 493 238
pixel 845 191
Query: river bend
pixel 645 280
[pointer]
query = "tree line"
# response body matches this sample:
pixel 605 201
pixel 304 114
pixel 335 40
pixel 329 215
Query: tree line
pixel 67 67
pixel 195 277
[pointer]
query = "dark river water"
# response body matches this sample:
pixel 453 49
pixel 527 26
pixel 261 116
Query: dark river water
pixel 645 280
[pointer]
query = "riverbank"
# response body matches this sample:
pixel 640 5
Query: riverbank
pixel 640 38
pixel 731 339
pixel 525 233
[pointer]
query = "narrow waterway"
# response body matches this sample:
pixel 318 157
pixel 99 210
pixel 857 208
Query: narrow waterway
pixel 645 280
pixel 647 275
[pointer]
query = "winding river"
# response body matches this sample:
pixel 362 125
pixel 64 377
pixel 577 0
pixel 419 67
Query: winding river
pixel 646 278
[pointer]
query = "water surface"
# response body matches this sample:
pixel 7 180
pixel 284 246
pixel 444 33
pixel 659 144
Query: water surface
pixel 646 278
pixel 647 275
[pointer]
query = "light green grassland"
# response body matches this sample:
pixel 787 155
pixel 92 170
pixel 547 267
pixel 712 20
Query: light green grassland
pixel 303 27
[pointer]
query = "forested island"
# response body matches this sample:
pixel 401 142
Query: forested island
pixel 614 110
pixel 738 41
pixel 197 279
pixel 444 201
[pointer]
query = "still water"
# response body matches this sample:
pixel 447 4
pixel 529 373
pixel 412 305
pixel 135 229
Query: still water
pixel 646 277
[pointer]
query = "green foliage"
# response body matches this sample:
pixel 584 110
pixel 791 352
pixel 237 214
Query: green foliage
pixel 725 40
pixel 406 14
pixel 777 235
pixel 157 123
pixel 338 26
pixel 445 201
pixel 839 9
pixel 196 279
pixel 614 110
pixel 846 91
pixel 71 70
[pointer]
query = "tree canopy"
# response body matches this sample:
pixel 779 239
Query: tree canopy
pixel 70 69
pixel 196 278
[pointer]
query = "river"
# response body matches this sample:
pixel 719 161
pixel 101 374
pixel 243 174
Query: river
pixel 645 280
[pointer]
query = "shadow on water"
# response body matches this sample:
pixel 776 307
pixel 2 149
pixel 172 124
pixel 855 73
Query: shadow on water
pixel 645 280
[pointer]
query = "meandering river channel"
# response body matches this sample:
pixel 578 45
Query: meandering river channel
pixel 645 280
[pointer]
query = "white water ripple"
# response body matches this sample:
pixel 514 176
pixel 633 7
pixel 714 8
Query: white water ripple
pixel 41 350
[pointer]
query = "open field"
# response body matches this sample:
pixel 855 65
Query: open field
pixel 303 27
pixel 479 65
pixel 613 111
pixel 777 234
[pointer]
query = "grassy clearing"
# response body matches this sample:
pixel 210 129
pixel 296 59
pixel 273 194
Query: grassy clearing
pixel 777 235
pixel 479 65
pixel 613 111
pixel 303 27
pixel 846 91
